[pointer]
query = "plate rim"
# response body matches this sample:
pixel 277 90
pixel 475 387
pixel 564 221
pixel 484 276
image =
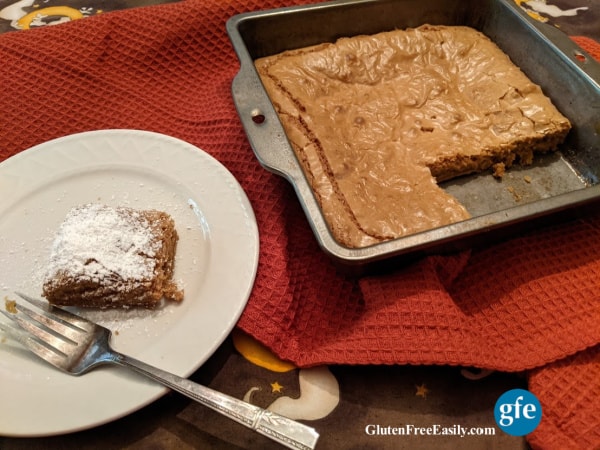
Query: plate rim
pixel 252 260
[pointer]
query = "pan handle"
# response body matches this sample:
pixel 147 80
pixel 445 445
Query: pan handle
pixel 261 123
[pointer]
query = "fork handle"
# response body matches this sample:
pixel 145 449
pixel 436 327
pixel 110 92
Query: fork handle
pixel 287 432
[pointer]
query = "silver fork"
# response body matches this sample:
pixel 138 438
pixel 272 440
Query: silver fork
pixel 77 345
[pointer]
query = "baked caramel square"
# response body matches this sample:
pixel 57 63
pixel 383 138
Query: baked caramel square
pixel 377 121
pixel 112 257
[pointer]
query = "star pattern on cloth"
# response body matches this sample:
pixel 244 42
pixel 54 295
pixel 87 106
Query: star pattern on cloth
pixel 276 387
pixel 422 390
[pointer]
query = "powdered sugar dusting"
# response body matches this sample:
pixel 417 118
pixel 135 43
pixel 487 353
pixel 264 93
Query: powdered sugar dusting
pixel 97 242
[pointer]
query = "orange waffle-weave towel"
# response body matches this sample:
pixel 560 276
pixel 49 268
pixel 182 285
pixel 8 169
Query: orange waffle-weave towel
pixel 532 302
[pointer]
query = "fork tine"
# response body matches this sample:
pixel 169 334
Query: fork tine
pixel 47 319
pixel 53 341
pixel 13 332
pixel 40 348
pixel 59 313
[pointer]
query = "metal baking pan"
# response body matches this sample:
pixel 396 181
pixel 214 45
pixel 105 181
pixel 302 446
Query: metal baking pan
pixel 564 182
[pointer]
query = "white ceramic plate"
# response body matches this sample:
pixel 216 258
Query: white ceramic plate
pixel 216 261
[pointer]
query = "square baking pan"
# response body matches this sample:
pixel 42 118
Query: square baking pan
pixel 556 185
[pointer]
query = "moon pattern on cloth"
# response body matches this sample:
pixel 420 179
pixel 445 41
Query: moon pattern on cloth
pixel 319 395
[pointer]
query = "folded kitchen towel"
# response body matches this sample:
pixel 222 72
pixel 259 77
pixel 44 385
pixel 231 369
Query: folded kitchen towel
pixel 589 45
pixel 568 391
pixel 531 302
